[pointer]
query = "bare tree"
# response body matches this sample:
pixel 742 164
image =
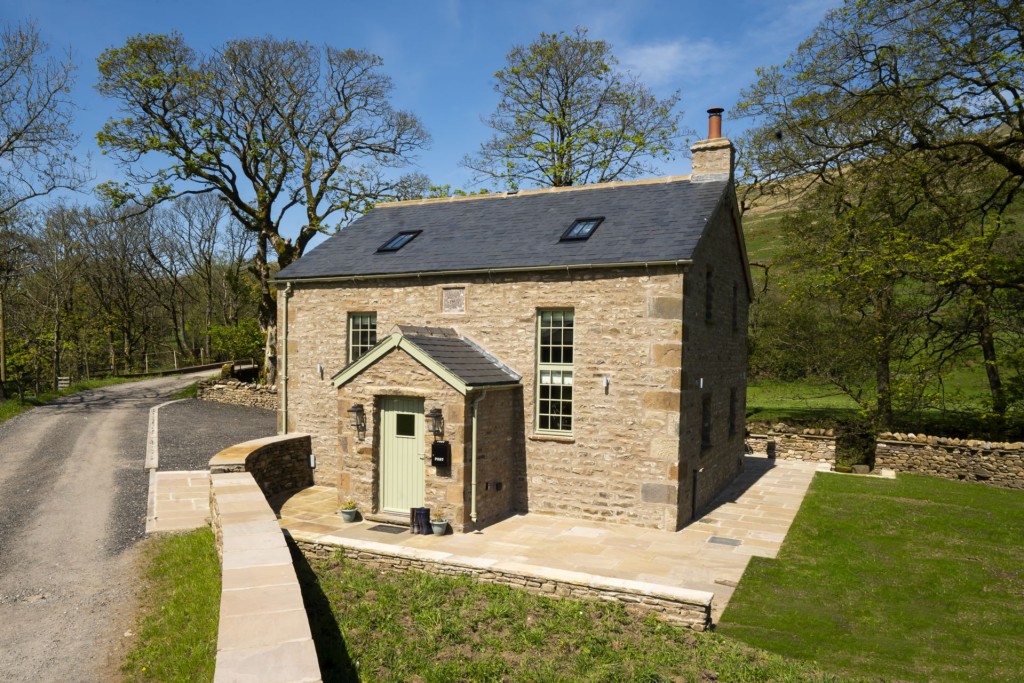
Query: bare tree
pixel 567 116
pixel 36 140
pixel 268 125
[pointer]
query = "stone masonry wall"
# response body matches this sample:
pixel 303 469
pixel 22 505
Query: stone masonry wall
pixel 277 463
pixel 714 364
pixel 689 611
pixel 238 393
pixel 628 325
pixel 1000 464
pixel 501 456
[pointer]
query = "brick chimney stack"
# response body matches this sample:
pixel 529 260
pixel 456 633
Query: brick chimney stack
pixel 713 158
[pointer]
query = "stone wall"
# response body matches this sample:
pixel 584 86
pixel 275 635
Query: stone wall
pixel 238 393
pixel 714 362
pixel 688 608
pixel 277 463
pixel 628 329
pixel 263 632
pixel 1000 464
pixel 501 456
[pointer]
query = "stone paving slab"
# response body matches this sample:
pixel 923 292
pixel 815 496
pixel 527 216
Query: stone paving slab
pixel 751 516
pixel 178 501
pixel 293 661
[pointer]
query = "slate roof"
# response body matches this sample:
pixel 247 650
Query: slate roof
pixel 460 356
pixel 643 222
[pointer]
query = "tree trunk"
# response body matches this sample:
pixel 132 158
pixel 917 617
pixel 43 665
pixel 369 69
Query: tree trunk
pixel 883 369
pixel 883 383
pixel 267 311
pixel 56 352
pixel 988 349
pixel 3 349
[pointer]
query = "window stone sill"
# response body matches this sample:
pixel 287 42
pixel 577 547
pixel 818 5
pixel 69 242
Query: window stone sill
pixel 554 438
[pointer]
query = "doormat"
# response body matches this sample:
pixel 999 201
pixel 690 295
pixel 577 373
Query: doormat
pixel 388 528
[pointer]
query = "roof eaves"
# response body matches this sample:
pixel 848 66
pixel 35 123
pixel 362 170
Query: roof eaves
pixel 483 271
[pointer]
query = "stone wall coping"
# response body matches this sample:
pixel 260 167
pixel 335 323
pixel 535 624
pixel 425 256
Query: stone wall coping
pixel 687 596
pixel 263 632
pixel 999 447
pixel 819 437
pixel 237 454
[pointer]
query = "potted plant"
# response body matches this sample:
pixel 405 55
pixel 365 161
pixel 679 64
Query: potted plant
pixel 348 510
pixel 439 524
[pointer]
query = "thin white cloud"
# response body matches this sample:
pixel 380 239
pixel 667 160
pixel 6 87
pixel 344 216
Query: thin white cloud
pixel 669 63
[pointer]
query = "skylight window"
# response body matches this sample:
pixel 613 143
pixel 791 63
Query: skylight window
pixel 398 241
pixel 581 229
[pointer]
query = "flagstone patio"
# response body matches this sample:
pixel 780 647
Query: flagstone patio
pixel 750 518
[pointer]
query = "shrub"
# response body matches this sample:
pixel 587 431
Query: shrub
pixel 855 444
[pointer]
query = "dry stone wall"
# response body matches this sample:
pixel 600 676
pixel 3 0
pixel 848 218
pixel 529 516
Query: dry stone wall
pixel 238 393
pixel 996 463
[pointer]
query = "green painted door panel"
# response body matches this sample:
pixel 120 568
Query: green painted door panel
pixel 402 467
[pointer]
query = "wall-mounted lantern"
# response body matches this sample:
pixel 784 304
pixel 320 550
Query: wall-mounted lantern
pixel 436 423
pixel 358 419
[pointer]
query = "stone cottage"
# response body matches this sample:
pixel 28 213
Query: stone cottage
pixel 573 351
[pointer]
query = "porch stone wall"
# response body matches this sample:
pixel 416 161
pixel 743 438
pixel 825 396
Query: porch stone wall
pixel 501 455
pixel 621 463
pixel 397 374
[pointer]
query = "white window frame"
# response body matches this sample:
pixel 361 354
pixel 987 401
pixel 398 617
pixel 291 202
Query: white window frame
pixel 554 379
pixel 359 322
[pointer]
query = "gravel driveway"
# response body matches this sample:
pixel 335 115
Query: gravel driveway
pixel 193 431
pixel 72 505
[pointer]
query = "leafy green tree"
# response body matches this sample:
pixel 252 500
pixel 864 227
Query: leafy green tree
pixel 243 340
pixel 917 105
pixel 267 125
pixel 568 116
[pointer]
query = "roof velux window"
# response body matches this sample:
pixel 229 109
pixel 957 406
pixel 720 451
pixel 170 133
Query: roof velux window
pixel 581 229
pixel 398 241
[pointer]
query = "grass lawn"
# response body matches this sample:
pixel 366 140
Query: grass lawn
pixel 177 637
pixel 915 579
pixel 12 406
pixel 818 404
pixel 771 400
pixel 388 626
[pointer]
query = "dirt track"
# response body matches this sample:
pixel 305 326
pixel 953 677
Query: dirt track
pixel 72 505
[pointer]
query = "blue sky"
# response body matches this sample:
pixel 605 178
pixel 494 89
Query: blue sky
pixel 442 55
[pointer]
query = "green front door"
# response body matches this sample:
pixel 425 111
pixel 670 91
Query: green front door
pixel 402 451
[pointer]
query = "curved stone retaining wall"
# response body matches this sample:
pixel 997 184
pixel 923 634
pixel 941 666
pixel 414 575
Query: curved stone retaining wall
pixel 1000 464
pixel 277 463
